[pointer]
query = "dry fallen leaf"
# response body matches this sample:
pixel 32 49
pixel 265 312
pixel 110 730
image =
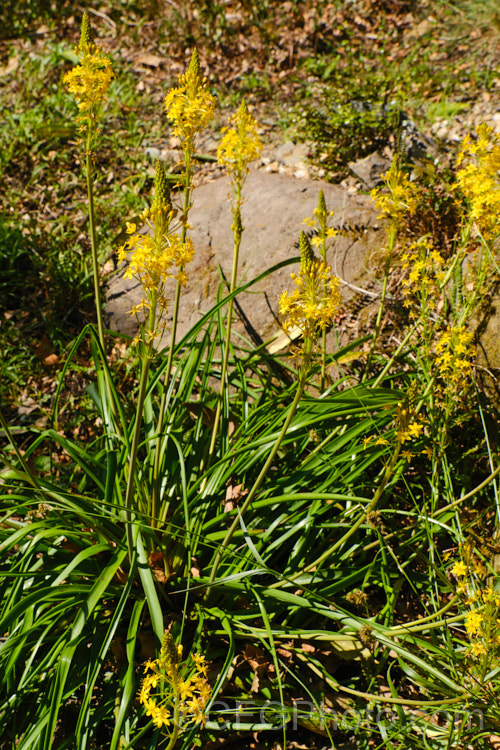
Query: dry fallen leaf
pixel 233 493
pixel 11 66
pixel 157 565
pixel 195 408
pixel 27 406
pixel 152 61
pixel 50 360
pixel 283 340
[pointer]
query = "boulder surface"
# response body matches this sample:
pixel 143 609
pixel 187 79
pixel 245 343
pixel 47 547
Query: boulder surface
pixel 273 212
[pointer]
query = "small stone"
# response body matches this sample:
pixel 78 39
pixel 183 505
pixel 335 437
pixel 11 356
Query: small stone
pixel 153 152
pixel 285 150
pixel 273 166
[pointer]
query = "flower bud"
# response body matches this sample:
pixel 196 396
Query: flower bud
pixel 306 253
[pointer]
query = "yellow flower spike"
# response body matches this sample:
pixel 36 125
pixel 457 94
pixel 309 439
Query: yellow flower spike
pixel 180 685
pixel 402 197
pixel 240 145
pixel 312 306
pixel 455 357
pixel 190 106
pixel 90 79
pixel 478 180
pixel 155 257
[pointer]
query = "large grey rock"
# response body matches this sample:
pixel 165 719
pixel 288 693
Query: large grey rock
pixel 370 169
pixel 273 213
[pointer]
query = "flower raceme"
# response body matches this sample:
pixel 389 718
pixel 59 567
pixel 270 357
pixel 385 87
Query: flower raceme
pixel 402 197
pixel 169 681
pixel 478 180
pixel 240 144
pixel 190 105
pixel 482 623
pixel 162 254
pixel 90 79
pixel 455 356
pixel 319 222
pixel 314 302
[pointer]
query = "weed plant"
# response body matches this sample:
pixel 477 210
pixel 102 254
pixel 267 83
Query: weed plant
pixel 313 552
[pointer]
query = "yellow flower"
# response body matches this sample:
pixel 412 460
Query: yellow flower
pixel 477 648
pixel 415 428
pixel 150 706
pixel 459 569
pixel 160 716
pixel 201 664
pixel 240 145
pixel 473 622
pixel 190 105
pixel 144 692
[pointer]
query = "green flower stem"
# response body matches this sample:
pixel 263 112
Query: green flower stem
pixel 389 470
pixel 93 240
pixel 393 231
pixel 30 475
pixel 376 698
pixel 188 189
pixel 251 495
pixel 323 358
pixel 155 500
pixel 175 733
pixel 229 320
pixel 141 397
pixel 322 251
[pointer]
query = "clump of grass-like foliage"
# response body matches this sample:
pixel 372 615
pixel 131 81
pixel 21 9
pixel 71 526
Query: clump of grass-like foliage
pixel 348 586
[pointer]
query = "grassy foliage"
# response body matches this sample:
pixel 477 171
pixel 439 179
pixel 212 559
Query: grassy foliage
pixel 324 548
